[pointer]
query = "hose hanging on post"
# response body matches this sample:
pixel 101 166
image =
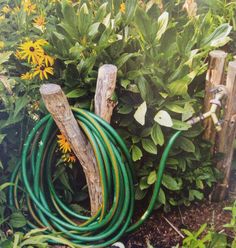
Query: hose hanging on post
pixel 114 219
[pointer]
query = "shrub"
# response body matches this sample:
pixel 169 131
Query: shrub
pixel 160 51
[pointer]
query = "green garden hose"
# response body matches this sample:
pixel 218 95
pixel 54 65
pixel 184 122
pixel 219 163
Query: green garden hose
pixel 114 219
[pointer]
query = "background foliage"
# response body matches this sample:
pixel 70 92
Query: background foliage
pixel 160 49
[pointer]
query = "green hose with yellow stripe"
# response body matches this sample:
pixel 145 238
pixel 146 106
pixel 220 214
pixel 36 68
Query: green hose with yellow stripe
pixel 47 209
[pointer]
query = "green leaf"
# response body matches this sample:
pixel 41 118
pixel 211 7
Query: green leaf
pixel 124 58
pixel 21 102
pixel 144 25
pixel 140 194
pixel 4 57
pixel 140 113
pixel 162 196
pixel 76 93
pixel 195 194
pixel 131 6
pixel 157 135
pixel 143 183
pixel 69 14
pixel 136 153
pixel 218 241
pixel 2 136
pixel 180 125
pixel 162 24
pixel 152 177
pixel 5 185
pixel 149 146
pixel 144 88
pixel 163 118
pixel 186 144
pixel 170 183
pixel 180 86
pixel 175 108
pixel 84 20
pixel 188 111
pixel 125 109
pixel 218 37
pixel 17 220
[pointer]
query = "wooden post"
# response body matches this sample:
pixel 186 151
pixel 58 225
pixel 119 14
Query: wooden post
pixel 214 77
pixel 226 137
pixel 57 104
pixel 106 83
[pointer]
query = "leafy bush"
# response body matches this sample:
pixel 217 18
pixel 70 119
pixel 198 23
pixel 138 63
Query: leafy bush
pixel 161 54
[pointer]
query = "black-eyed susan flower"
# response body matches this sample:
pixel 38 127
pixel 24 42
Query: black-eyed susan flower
pixel 43 71
pixel 29 7
pixel 40 22
pixel 17 54
pixel 69 157
pixel 64 146
pixel 6 9
pixel 47 60
pixel 32 51
pixel 16 10
pixel 41 42
pixel 122 8
pixel 27 76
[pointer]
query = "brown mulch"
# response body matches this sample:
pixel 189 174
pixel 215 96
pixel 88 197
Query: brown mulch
pixel 160 234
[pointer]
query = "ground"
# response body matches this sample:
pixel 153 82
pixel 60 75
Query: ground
pixel 160 234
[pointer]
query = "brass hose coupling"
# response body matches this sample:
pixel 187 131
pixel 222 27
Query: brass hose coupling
pixel 220 93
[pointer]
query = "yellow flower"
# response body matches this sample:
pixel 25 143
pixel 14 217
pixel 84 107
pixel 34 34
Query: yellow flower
pixel 2 44
pixel 43 71
pixel 16 10
pixel 2 17
pixel 64 146
pixel 122 8
pixel 6 9
pixel 27 76
pixel 17 54
pixel 47 60
pixel 32 51
pixel 39 22
pixel 29 7
pixel 41 42
pixel 69 157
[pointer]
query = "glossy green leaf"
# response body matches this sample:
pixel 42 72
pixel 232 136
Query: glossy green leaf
pixel 17 220
pixel 76 93
pixel 152 177
pixel 170 183
pixel 149 146
pixel 186 144
pixel 136 153
pixel 157 135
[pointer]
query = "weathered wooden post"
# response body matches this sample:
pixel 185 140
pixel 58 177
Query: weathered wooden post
pixel 225 139
pixel 57 104
pixel 214 77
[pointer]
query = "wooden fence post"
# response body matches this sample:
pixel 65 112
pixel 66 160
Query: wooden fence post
pixel 57 104
pixel 226 137
pixel 214 77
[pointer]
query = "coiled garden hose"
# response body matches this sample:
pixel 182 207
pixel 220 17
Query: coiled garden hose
pixel 114 219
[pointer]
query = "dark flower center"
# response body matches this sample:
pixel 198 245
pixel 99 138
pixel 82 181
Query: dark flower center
pixel 32 49
pixel 42 67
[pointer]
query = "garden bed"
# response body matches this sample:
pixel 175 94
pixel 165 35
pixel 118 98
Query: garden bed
pixel 160 234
